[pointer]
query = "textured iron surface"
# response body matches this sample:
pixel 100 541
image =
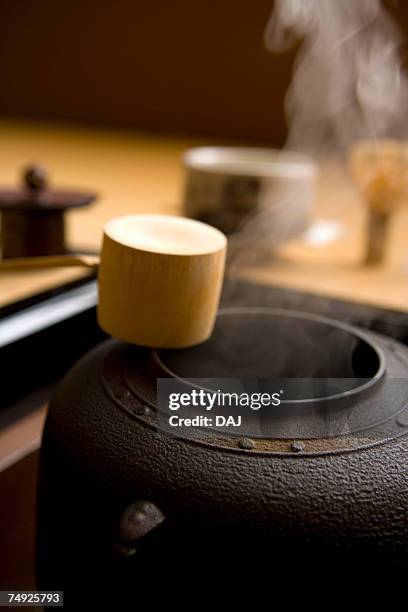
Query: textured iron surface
pixel 127 380
pixel 308 499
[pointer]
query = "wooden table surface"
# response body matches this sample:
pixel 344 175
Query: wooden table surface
pixel 139 173
pixel 136 173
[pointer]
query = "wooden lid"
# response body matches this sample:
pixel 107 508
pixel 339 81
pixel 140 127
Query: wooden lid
pixel 35 194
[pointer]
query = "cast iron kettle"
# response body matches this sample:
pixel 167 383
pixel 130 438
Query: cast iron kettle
pixel 122 502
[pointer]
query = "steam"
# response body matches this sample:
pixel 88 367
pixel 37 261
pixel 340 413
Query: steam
pixel 347 82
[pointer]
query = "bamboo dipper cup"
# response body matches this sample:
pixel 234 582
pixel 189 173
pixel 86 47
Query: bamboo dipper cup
pixel 160 280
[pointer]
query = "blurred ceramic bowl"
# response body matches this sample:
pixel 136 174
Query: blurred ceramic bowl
pixel 262 194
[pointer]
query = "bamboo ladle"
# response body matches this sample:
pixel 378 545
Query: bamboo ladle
pixel 160 279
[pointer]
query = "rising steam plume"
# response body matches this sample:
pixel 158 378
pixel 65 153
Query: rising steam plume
pixel 347 81
pixel 347 84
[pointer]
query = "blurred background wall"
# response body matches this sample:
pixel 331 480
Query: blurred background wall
pixel 190 66
pixel 187 66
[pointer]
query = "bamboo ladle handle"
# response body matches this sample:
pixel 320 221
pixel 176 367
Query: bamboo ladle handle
pixel 49 261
